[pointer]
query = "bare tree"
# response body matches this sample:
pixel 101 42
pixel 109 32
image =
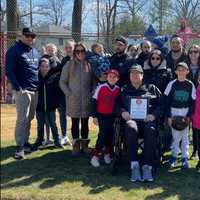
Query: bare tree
pixel 132 6
pixel 190 10
pixel 53 10
pixel 160 13
pixel 50 11
pixel 11 11
pixel 108 11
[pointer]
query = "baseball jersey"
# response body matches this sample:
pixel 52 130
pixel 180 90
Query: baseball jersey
pixel 180 95
pixel 106 98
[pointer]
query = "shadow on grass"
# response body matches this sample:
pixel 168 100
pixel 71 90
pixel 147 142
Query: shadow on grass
pixel 54 168
pixel 7 152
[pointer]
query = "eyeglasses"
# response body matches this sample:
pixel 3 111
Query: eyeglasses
pixel 79 51
pixel 155 58
pixel 195 51
pixel 32 36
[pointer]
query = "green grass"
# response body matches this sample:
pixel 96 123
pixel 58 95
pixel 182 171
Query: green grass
pixel 53 174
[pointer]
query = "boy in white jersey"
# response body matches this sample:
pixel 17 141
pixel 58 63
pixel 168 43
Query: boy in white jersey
pixel 180 95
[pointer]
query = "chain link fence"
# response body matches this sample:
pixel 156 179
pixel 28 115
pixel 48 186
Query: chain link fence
pixel 59 40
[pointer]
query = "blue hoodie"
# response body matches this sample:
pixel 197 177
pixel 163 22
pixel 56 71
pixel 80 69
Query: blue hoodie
pixel 22 67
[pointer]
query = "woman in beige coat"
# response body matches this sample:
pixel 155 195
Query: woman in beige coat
pixel 76 82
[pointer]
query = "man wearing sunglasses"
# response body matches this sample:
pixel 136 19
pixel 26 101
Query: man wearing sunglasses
pixel 22 72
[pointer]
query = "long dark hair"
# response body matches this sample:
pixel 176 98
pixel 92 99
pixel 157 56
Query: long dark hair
pixel 188 57
pixel 76 61
pixel 157 52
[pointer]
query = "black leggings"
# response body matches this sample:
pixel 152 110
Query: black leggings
pixel 84 128
pixel 196 140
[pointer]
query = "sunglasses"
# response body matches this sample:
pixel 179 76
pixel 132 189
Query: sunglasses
pixel 79 51
pixel 32 36
pixel 155 58
pixel 146 47
pixel 195 51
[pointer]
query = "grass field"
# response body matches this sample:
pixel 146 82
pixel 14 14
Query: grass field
pixel 53 174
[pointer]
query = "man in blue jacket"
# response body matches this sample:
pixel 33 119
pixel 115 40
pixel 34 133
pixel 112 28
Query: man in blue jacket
pixel 22 72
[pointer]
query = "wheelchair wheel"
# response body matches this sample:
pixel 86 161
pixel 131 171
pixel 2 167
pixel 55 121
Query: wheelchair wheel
pixel 117 145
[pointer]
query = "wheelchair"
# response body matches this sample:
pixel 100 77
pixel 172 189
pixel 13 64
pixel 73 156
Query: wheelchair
pixel 120 148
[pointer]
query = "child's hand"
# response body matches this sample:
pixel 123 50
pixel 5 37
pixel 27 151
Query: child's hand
pixel 95 121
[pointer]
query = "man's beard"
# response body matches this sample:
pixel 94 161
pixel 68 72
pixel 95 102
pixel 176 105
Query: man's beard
pixel 120 52
pixel 176 50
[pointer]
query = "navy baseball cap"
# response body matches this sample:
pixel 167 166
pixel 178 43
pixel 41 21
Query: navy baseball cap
pixel 29 31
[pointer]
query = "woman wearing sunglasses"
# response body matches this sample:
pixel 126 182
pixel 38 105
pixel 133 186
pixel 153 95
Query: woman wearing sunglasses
pixel 193 62
pixel 155 70
pixel 76 82
pixel 194 65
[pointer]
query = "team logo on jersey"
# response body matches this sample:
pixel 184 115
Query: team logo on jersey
pixel 181 95
pixel 138 101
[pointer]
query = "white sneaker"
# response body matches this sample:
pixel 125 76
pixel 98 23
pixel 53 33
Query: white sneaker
pixel 107 158
pixel 65 141
pixel 95 161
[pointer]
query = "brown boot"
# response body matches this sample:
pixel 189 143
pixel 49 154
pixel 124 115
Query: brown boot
pixel 76 147
pixel 84 146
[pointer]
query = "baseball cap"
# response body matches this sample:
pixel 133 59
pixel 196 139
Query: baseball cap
pixel 182 64
pixel 113 71
pixel 28 31
pixel 136 67
pixel 121 39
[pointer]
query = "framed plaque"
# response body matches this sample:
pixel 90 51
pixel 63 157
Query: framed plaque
pixel 138 107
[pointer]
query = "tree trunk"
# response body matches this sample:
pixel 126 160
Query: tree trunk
pixel 76 20
pixel 11 7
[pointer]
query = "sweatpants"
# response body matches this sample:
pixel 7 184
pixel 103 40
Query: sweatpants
pixel 146 130
pixel 26 103
pixel 180 136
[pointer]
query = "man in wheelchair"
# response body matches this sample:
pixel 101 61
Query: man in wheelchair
pixel 136 126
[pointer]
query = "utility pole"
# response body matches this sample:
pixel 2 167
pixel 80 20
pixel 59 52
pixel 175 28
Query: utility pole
pixel 31 14
pixel 98 20
pixel 77 20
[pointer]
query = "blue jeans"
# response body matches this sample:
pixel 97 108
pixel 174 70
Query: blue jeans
pixel 51 117
pixel 63 117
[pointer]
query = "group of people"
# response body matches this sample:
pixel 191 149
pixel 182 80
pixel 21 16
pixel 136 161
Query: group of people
pixel 89 83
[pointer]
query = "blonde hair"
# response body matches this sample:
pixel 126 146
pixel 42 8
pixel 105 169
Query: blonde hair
pixel 53 46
